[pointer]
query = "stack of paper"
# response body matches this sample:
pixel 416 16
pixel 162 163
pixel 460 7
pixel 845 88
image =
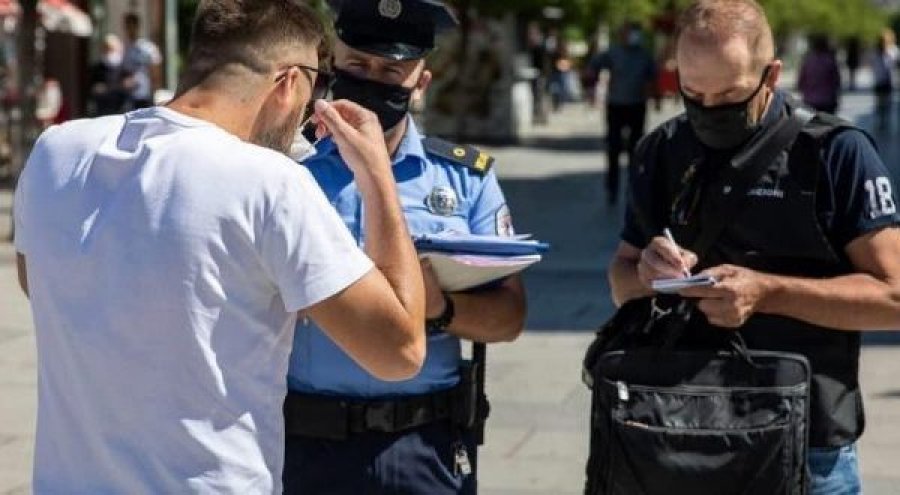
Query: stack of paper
pixel 464 261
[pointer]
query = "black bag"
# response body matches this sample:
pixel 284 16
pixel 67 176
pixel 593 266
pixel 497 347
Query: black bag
pixel 705 422
pixel 720 420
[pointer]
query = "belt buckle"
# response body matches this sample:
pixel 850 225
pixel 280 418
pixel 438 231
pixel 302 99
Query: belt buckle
pixel 657 312
pixel 380 416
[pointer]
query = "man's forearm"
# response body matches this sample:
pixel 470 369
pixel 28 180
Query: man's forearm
pixel 388 242
pixel 495 315
pixel 852 302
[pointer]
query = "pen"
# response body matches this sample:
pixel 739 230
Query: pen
pixel 668 234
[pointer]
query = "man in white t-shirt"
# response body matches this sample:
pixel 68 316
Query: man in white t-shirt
pixel 167 252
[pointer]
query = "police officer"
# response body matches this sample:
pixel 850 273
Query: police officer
pixel 349 433
pixel 812 258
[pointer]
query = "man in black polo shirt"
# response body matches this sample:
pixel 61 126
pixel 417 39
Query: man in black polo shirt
pixel 813 256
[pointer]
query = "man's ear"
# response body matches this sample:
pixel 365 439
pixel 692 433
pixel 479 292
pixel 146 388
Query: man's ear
pixel 285 91
pixel 422 85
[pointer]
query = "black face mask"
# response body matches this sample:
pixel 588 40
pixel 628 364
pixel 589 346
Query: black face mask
pixel 723 127
pixel 390 102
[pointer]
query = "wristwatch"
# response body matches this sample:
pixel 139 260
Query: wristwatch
pixel 442 321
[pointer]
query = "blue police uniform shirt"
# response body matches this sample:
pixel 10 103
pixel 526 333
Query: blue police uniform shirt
pixel 856 193
pixel 317 365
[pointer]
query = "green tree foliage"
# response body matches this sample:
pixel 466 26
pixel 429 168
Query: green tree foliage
pixel 839 18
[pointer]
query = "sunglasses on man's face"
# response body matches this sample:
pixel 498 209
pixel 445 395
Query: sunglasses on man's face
pixel 320 79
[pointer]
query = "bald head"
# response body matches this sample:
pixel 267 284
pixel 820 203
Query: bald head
pixel 715 23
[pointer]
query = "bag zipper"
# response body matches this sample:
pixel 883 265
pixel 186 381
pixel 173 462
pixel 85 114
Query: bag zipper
pixel 698 389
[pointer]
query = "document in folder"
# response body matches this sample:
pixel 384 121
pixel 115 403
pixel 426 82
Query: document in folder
pixel 456 272
pixel 454 243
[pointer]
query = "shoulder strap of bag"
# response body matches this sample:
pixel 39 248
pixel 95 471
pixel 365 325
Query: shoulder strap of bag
pixel 744 171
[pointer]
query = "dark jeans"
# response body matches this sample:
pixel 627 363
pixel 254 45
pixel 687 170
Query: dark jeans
pixel 621 119
pixel 415 462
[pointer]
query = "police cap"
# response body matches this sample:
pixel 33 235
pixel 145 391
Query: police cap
pixel 394 29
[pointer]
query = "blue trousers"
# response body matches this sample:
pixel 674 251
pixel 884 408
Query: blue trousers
pixel 415 462
pixel 834 471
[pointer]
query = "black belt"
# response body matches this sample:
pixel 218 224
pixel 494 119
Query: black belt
pixel 337 418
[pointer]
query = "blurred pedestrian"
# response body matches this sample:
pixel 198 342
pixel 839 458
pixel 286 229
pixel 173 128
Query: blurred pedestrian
pixel 141 65
pixel 819 81
pixel 168 252
pixel 537 51
pixel 883 62
pixel 852 53
pixel 50 108
pixel 590 78
pixel 107 94
pixel 632 82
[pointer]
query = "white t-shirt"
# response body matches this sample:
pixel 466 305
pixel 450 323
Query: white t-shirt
pixel 166 262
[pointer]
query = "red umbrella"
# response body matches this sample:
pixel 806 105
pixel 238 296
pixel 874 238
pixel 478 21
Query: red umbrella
pixel 61 16
pixel 9 8
pixel 56 16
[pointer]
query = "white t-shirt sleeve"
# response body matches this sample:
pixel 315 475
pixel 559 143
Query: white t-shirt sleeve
pixel 20 206
pixel 305 247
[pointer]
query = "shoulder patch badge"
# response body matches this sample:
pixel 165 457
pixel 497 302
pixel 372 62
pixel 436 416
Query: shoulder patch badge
pixel 442 201
pixel 390 9
pixel 467 156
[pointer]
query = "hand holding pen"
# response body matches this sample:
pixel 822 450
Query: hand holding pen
pixel 663 259
pixel 685 271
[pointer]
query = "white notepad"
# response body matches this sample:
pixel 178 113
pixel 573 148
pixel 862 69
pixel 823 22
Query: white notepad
pixel 671 285
pixel 456 272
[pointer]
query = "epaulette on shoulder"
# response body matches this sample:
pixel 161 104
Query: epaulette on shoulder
pixel 467 156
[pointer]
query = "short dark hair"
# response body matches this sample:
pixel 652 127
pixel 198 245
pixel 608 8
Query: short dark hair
pixel 716 21
pixel 132 19
pixel 253 34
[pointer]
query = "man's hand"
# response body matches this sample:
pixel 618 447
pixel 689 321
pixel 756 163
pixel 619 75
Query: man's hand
pixel 662 259
pixel 435 304
pixel 357 134
pixel 736 296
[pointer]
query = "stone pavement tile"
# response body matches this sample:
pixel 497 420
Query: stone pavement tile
pixel 17 359
pixel 533 476
pixel 17 411
pixel 15 313
pixel 555 445
pixel 567 417
pixel 881 486
pixel 15 466
pixel 543 373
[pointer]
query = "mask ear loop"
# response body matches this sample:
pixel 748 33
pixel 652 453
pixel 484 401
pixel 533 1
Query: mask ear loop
pixel 305 123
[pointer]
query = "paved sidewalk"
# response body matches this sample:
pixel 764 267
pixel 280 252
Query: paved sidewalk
pixel 537 435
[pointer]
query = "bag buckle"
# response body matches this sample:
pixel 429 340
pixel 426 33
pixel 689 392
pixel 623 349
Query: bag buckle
pixel 657 312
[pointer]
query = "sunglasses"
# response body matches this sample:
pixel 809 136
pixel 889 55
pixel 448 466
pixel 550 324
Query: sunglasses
pixel 320 79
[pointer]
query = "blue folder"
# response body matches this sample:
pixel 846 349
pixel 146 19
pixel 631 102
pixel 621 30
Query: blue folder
pixel 478 244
